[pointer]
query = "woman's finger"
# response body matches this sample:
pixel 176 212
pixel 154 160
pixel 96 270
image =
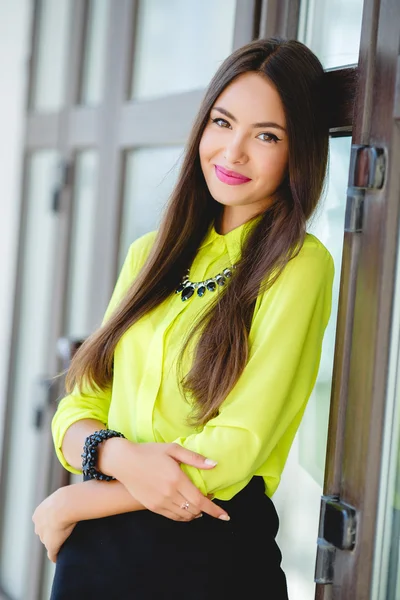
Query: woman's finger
pixel 184 513
pixel 174 510
pixel 175 507
pixel 183 455
pixel 202 503
pixel 187 506
pixel 174 514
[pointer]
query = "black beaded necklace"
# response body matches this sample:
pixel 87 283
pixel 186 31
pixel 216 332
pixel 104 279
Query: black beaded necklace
pixel 187 288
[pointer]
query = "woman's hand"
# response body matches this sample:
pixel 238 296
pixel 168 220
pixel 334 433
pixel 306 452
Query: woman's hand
pixel 51 525
pixel 151 473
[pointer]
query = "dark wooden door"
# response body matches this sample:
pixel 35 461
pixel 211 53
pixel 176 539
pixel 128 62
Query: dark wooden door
pixel 363 398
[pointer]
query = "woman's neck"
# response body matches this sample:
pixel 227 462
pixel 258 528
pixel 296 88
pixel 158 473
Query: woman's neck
pixel 233 217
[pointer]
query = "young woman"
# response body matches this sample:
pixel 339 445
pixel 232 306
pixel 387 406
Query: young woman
pixel 198 378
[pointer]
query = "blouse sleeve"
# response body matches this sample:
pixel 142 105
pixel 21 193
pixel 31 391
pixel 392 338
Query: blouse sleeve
pixel 258 420
pixel 95 403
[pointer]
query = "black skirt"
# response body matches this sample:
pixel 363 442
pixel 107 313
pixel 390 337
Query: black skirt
pixel 145 556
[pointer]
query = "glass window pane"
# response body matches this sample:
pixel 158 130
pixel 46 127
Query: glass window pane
pixel 386 574
pixel 49 84
pixel 328 226
pixel 202 34
pixel 48 576
pixel 391 487
pixel 145 195
pixel 304 471
pixel 30 366
pixel 332 29
pixel 83 231
pixel 94 53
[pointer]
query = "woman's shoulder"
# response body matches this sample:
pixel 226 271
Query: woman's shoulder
pixel 137 254
pixel 143 243
pixel 308 275
pixel 313 245
pixel 314 251
pixel 140 248
pixel 313 264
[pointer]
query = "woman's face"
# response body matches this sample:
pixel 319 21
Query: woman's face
pixel 244 147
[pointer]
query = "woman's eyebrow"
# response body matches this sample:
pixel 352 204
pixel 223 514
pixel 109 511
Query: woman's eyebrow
pixel 255 125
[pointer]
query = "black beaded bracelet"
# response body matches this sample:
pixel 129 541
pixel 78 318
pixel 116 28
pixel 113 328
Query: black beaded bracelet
pixel 89 456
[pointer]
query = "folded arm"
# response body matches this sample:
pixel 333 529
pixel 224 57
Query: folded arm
pixel 149 472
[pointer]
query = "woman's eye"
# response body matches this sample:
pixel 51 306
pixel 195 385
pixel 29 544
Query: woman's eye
pixel 220 122
pixel 269 137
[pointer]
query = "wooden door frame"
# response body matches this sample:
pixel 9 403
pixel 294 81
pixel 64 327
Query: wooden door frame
pixel 353 468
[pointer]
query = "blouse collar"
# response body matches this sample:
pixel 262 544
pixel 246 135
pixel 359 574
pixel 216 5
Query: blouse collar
pixel 233 240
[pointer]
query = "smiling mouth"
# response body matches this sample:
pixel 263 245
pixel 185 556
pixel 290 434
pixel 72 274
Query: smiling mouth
pixel 229 177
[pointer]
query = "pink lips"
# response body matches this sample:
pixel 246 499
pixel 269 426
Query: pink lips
pixel 230 177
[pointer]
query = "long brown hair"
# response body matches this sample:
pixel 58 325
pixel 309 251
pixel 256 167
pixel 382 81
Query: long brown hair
pixel 221 352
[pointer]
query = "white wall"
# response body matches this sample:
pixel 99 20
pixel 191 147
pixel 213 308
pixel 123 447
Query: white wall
pixel 15 23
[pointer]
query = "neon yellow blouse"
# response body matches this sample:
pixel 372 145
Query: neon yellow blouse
pixel 259 418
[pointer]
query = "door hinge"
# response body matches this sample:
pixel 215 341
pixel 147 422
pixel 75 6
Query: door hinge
pixel 66 349
pixel 367 172
pixel 367 167
pixel 353 221
pixel 337 530
pixel 63 180
pixel 48 391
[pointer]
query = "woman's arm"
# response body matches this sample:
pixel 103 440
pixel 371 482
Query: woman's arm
pixel 74 440
pixel 150 472
pixel 56 517
pixel 88 500
pixel 96 499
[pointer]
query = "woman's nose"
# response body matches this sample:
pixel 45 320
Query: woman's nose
pixel 235 152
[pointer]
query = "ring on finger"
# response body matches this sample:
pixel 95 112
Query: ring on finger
pixel 185 505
